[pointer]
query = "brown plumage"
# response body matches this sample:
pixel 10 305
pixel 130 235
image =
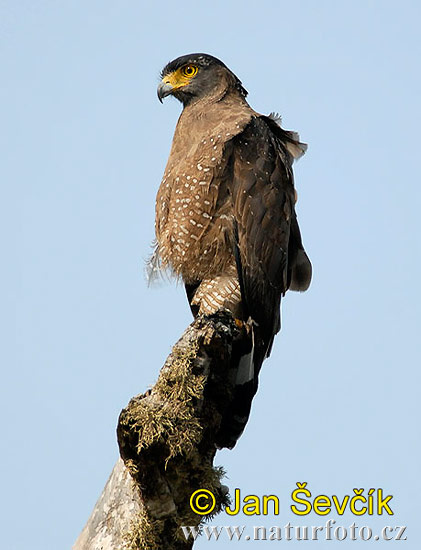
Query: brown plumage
pixel 225 211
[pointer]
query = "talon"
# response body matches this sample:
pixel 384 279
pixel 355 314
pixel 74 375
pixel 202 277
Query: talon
pixel 239 323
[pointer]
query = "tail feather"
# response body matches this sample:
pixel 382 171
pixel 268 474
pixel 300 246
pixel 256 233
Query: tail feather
pixel 248 355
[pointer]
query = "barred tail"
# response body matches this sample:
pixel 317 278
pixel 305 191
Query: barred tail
pixel 248 355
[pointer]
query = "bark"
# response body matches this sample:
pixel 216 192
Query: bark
pixel 167 442
pixel 113 514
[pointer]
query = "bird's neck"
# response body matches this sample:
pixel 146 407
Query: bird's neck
pixel 214 107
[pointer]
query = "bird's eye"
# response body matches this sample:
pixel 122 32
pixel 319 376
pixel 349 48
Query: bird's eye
pixel 189 71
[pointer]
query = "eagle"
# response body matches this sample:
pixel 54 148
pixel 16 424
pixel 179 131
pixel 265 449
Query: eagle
pixel 225 215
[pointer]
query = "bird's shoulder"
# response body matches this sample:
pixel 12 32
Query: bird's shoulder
pixel 266 131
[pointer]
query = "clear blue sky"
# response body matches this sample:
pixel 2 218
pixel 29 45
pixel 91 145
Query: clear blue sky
pixel 84 142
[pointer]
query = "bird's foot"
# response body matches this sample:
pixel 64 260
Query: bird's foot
pixel 239 323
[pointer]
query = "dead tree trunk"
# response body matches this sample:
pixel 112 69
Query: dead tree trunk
pixel 167 442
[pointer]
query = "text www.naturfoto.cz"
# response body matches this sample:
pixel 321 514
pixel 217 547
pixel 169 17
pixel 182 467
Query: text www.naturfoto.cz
pixel 291 532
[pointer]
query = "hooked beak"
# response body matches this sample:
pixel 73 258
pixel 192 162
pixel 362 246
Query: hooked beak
pixel 164 89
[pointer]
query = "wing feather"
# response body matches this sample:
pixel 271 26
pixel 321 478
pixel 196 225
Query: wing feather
pixel 263 200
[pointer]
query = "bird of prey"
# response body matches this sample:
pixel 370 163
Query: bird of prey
pixel 225 213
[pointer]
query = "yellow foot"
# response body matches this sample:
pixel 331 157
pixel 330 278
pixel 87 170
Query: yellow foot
pixel 239 323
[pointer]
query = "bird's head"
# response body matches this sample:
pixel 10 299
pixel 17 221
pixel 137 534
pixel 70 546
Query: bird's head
pixel 195 76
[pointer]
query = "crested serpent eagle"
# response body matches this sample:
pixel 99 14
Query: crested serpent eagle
pixel 225 215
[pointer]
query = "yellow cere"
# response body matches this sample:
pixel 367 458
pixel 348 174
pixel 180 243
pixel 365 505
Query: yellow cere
pixel 180 77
